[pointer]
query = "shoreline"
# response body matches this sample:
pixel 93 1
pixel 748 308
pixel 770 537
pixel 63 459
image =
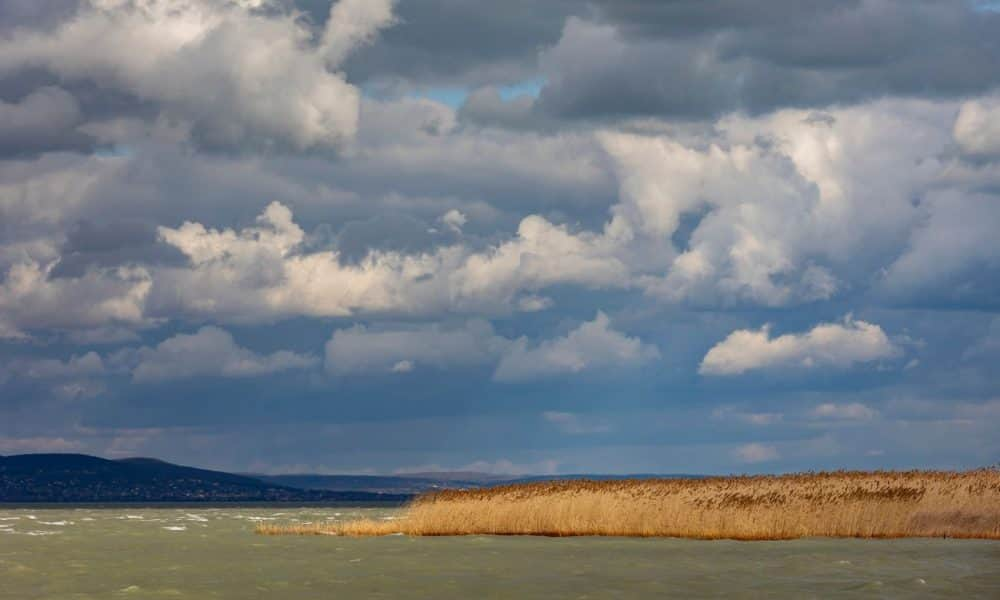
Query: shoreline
pixel 869 505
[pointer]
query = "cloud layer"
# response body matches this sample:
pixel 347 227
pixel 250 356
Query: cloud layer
pixel 572 236
pixel 210 352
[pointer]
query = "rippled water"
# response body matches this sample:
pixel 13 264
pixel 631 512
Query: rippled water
pixel 194 552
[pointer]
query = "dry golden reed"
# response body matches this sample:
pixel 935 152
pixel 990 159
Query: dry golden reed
pixel 835 504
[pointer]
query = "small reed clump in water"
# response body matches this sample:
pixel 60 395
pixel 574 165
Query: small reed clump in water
pixel 836 504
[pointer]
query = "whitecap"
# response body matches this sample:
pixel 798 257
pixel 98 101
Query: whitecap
pixel 198 518
pixel 59 523
pixel 175 528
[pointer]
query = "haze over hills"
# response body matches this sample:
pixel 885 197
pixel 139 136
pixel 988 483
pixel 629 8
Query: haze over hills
pixel 83 478
pixel 415 483
pixel 403 484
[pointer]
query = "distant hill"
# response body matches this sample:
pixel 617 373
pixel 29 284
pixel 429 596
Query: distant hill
pixel 82 478
pixel 387 484
pixel 417 483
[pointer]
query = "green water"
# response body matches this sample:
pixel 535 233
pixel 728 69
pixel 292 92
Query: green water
pixel 194 552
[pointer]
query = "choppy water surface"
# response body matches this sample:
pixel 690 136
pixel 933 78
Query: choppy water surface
pixel 194 552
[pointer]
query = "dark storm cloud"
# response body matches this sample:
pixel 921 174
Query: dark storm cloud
pixel 700 59
pixel 34 14
pixel 385 232
pixel 486 106
pixel 112 244
pixel 44 120
pixel 458 42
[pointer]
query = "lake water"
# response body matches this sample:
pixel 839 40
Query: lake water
pixel 202 553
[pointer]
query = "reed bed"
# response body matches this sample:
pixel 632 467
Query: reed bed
pixel 833 504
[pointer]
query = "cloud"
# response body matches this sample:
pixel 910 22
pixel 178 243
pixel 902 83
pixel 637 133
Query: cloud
pixel 210 352
pixel 36 15
pixel 233 75
pixel 503 466
pixel 574 424
pixel 30 298
pixel 263 272
pixel 987 347
pixel 774 211
pixel 21 445
pixel 486 107
pixel 592 345
pixel 543 254
pixel 696 169
pixel 354 24
pixel 111 244
pixel 733 254
pixel 751 418
pixel 454 219
pixel 44 120
pixel 359 350
pixel 403 366
pixel 500 466
pixel 837 345
pixel 767 211
pixel 952 258
pixel 77 366
pixel 444 42
pixel 534 303
pixel 854 411
pixel 756 453
pixel 701 60
pixel 977 127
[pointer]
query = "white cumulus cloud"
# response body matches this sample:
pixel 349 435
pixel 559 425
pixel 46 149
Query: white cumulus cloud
pixel 233 74
pixel 826 345
pixel 262 272
pixel 977 128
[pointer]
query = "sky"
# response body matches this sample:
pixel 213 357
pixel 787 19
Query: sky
pixel 378 236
